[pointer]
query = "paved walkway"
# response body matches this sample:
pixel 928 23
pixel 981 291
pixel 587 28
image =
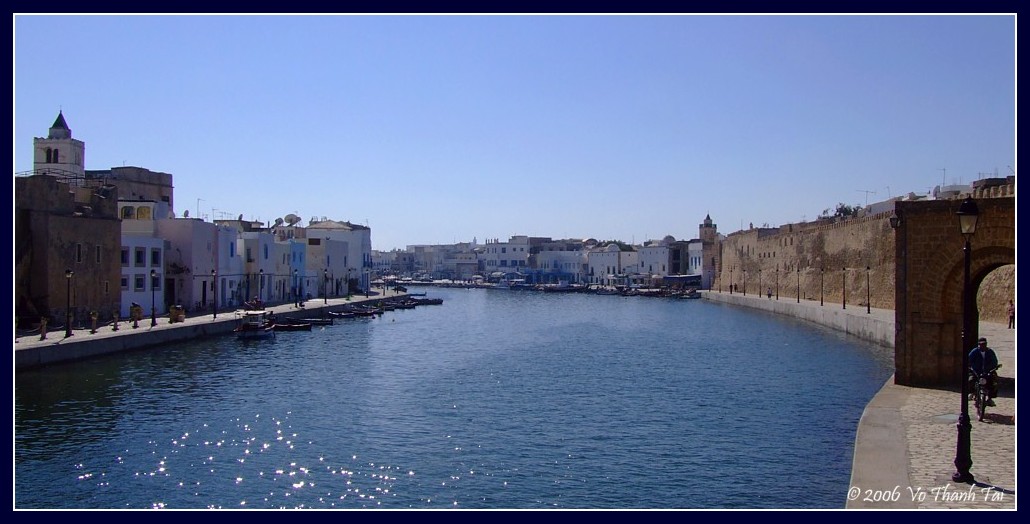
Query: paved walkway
pixel 313 306
pixel 907 441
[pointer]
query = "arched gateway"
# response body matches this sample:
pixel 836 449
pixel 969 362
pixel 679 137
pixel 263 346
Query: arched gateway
pixel 929 283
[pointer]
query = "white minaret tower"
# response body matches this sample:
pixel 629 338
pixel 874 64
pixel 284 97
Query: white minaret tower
pixel 59 154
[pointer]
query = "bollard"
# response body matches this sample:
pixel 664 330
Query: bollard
pixel 42 328
pixel 115 328
pixel 93 319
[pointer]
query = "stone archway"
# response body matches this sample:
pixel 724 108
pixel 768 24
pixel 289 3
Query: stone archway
pixel 929 283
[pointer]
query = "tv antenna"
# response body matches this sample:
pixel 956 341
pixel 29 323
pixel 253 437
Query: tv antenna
pixel 866 194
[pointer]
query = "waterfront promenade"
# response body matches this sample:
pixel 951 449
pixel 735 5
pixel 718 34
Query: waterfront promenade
pixel 906 439
pixel 30 351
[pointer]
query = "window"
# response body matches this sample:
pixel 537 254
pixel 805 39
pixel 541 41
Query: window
pixel 128 213
pixel 125 283
pixel 78 253
pixel 107 287
pixel 143 213
pixel 139 283
pixel 314 241
pixel 141 256
pixel 125 257
pixel 57 158
pixel 155 257
pixel 155 282
pixel 98 254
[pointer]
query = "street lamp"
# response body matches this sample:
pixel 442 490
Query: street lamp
pixel 967 216
pixel 296 290
pixel 731 279
pixel 759 283
pixel 68 303
pixel 799 284
pixel 261 284
pixel 325 284
pixel 777 283
pixel 822 270
pixel 153 301
pixel 214 294
pixel 844 288
pixel 868 307
pixel 745 282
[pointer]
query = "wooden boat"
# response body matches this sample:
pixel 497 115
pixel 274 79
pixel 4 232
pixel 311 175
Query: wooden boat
pixel 253 325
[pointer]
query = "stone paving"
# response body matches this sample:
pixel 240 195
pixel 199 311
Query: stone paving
pixel 929 417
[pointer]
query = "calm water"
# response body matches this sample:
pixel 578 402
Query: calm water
pixel 495 399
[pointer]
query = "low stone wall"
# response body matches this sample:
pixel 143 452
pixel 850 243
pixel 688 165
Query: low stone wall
pixel 877 328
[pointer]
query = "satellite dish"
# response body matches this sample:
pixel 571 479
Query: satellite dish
pixel 186 213
pixel 278 222
pixel 240 218
pixel 292 219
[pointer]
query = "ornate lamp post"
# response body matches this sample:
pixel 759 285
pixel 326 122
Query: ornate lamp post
pixel 214 294
pixel 68 303
pixel 759 282
pixel 731 279
pixel 745 282
pixel 967 217
pixel 777 283
pixel 153 300
pixel 296 290
pixel 261 284
pixel 325 286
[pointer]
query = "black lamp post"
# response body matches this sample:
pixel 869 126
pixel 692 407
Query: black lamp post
pixel 745 282
pixel 731 279
pixel 68 303
pixel 799 284
pixel 261 284
pixel 153 300
pixel 844 288
pixel 777 283
pixel 759 283
pixel 296 290
pixel 868 306
pixel 822 271
pixel 214 294
pixel 967 216
pixel 325 284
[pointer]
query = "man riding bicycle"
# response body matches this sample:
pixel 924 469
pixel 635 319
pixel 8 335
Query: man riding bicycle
pixel 982 359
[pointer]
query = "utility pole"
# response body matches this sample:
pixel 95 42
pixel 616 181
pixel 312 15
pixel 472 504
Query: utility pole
pixel 866 195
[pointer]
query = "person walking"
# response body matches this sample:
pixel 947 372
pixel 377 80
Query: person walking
pixel 1012 315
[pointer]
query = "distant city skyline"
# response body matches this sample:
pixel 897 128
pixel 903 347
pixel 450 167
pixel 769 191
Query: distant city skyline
pixel 441 129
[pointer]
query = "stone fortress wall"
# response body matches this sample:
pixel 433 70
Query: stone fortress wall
pixel 829 259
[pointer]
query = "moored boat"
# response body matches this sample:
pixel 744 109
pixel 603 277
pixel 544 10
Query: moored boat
pixel 253 324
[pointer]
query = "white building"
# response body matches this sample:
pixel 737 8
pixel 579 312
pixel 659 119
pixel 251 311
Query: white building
pixel 508 257
pixel 142 256
pixel 610 265
pixel 189 261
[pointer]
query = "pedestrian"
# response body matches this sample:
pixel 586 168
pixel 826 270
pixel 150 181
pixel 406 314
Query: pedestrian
pixel 768 292
pixel 1012 315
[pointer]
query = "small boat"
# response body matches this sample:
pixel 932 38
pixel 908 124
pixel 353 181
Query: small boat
pixel 253 324
pixel 341 314
pixel 328 321
pixel 292 327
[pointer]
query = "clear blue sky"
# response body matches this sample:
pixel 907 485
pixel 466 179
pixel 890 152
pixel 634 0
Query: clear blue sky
pixel 438 129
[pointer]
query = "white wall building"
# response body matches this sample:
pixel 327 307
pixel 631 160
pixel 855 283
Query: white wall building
pixel 189 259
